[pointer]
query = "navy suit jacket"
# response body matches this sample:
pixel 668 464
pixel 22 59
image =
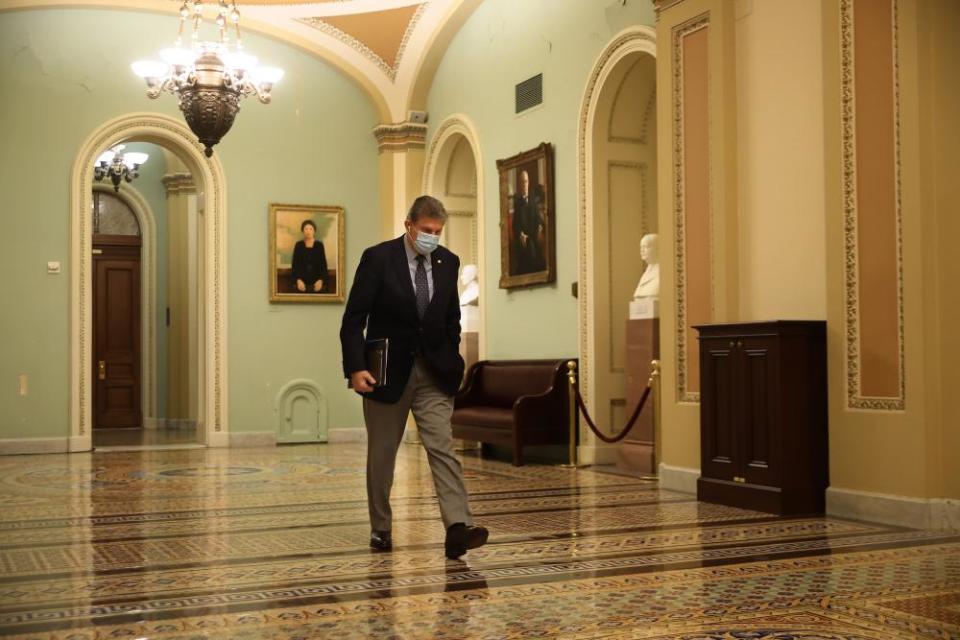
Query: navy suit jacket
pixel 382 301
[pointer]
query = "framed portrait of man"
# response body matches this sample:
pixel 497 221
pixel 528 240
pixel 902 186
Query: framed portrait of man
pixel 527 219
pixel 306 253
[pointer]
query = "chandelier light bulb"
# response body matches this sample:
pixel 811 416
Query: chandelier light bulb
pixel 266 75
pixel 240 61
pixel 209 78
pixel 135 159
pixel 149 69
pixel 177 56
pixel 106 157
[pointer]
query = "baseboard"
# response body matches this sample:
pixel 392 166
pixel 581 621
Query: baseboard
pixel 253 439
pixel 19 446
pixel 681 479
pixel 171 423
pixel 81 443
pixel 218 439
pixel 918 513
pixel 180 423
pixel 346 435
pixel 596 454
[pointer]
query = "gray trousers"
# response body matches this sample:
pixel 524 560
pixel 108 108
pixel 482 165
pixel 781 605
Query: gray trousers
pixel 385 424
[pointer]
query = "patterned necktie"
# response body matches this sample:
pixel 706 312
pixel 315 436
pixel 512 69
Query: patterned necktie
pixel 423 290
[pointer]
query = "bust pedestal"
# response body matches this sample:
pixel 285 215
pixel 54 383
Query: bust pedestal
pixel 636 452
pixel 646 307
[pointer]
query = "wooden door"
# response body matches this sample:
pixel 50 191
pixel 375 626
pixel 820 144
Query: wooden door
pixel 116 339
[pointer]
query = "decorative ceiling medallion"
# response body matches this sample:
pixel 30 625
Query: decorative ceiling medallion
pixel 383 51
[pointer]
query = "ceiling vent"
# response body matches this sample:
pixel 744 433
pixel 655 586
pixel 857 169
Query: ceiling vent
pixel 529 93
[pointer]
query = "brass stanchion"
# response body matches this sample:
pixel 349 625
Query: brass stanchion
pixel 654 382
pixel 572 403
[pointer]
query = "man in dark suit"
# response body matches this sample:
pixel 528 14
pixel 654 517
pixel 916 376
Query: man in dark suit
pixel 405 290
pixel 527 227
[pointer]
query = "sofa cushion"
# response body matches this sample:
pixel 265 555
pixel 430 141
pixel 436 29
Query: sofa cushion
pixel 493 417
pixel 500 386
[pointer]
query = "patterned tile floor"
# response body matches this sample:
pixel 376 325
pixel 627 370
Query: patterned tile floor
pixel 272 543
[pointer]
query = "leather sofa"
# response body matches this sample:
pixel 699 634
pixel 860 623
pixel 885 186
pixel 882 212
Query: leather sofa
pixel 515 403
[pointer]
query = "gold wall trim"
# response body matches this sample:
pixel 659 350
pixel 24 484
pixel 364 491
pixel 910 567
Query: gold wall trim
pixel 679 205
pixel 648 114
pixel 855 397
pixel 320 24
pixel 660 6
pixel 400 135
pixel 174 183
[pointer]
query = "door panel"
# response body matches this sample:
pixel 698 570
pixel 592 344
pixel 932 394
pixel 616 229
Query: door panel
pixel 759 386
pixel 719 410
pixel 116 317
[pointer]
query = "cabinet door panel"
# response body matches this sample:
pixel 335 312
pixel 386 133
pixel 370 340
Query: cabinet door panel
pixel 719 455
pixel 759 428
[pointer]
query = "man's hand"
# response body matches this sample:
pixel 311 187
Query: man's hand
pixel 300 285
pixel 362 381
pixel 318 285
pixel 523 239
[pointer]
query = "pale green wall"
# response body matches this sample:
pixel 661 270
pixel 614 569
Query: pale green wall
pixel 503 43
pixel 64 73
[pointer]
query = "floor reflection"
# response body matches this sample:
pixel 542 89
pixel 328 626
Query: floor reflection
pixel 144 437
pixel 272 543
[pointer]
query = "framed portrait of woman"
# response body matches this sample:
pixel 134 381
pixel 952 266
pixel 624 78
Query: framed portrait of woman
pixel 306 253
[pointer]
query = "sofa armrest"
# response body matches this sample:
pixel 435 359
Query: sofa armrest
pixel 549 406
pixel 540 409
pixel 469 394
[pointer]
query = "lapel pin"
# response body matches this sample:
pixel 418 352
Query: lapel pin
pixel 439 261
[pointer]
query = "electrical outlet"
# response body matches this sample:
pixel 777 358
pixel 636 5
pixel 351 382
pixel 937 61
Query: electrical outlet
pixel 23 384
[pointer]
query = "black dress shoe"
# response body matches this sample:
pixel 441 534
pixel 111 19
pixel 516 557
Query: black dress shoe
pixel 381 540
pixel 461 537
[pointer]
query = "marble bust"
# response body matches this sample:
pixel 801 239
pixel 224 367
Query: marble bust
pixel 649 285
pixel 471 288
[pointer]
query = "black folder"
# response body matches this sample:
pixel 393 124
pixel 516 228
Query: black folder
pixel 376 355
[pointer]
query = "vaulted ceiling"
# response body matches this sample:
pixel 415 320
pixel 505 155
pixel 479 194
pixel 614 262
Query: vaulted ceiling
pixel 390 47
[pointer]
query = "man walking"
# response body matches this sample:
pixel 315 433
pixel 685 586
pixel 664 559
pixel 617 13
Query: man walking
pixel 405 290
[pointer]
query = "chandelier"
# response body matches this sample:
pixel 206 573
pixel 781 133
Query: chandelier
pixel 118 166
pixel 209 78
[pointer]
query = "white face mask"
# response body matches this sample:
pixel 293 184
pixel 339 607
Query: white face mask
pixel 426 242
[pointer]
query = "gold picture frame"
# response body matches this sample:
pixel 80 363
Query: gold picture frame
pixel 288 250
pixel 527 220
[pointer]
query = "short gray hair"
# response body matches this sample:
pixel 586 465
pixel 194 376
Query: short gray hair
pixel 427 207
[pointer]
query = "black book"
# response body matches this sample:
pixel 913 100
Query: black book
pixel 376 355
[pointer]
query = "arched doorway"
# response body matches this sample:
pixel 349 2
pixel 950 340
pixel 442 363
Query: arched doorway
pixel 617 168
pixel 454 174
pixel 211 287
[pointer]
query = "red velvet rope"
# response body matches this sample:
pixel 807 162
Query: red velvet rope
pixel 593 427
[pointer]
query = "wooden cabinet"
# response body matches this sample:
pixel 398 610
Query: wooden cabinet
pixel 763 415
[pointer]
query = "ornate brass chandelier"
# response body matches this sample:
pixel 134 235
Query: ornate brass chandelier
pixel 209 78
pixel 118 166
